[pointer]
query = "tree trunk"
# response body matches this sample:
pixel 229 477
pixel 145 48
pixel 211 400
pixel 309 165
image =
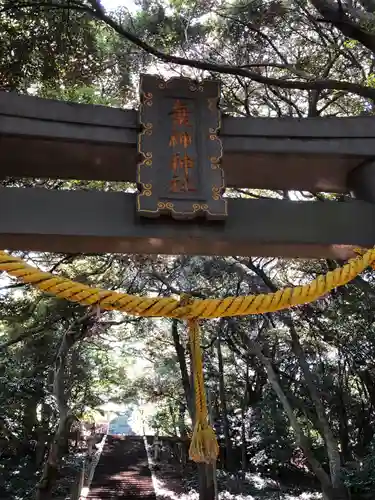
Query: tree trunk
pixel 302 440
pixel 185 379
pixel 332 447
pixel 243 423
pixel 224 412
pixel 333 453
pixel 206 482
pixel 30 419
pixel 58 446
pixel 205 472
pixel 52 464
pixel 43 434
pixel 214 465
pixel 173 419
pixel 343 423
pixel 184 446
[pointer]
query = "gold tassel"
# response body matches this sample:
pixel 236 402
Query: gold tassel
pixel 204 447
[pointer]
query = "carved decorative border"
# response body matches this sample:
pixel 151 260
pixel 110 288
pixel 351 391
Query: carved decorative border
pixel 161 206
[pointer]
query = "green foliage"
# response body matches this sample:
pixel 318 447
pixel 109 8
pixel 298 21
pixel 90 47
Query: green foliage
pixel 164 420
pixel 273 448
pixel 66 55
pixel 42 46
pixel 350 44
pixel 360 478
pixel 371 80
pixel 79 94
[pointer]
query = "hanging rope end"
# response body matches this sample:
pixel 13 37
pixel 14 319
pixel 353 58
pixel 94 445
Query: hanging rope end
pixel 204 447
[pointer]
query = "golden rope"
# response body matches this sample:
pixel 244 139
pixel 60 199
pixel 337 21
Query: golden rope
pixel 168 307
pixel 204 447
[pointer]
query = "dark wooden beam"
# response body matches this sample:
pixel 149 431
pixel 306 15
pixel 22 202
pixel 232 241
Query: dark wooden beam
pixel 56 159
pixel 12 104
pixel 97 142
pixel 95 222
pixel 350 127
pixel 24 106
pixel 362 182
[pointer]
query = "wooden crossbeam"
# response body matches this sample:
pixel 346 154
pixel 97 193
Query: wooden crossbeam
pixel 94 221
pixel 46 138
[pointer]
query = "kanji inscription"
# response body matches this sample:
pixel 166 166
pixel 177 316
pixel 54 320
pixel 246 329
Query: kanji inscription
pixel 179 173
pixel 182 163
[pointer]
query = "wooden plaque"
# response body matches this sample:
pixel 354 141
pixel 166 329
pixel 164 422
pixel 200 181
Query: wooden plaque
pixel 180 152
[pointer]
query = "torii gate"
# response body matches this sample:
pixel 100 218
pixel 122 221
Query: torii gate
pixel 180 170
pixel 52 139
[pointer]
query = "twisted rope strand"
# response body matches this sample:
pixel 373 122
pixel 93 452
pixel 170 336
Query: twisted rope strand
pixel 168 307
pixel 204 446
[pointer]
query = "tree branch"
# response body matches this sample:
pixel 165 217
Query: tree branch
pixel 338 18
pixel 302 440
pixel 286 66
pixel 173 289
pixel 22 336
pixel 318 84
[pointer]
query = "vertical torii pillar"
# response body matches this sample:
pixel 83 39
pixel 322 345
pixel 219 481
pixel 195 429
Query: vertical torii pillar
pixel 361 181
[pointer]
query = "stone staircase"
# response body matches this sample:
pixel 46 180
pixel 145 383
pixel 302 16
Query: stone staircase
pixel 122 472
